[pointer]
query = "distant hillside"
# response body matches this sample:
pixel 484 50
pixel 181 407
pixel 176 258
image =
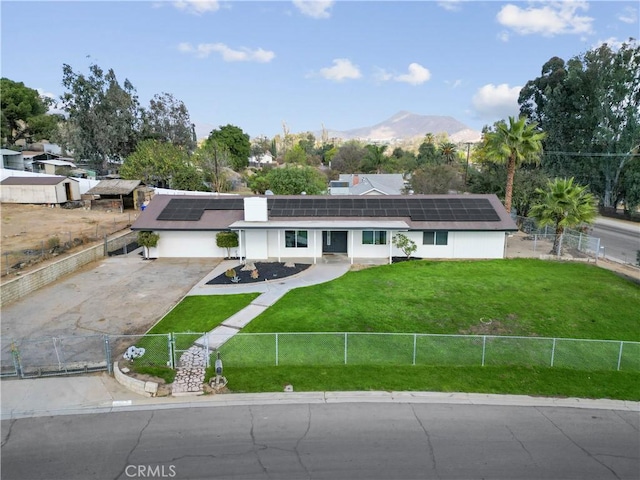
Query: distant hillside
pixel 406 125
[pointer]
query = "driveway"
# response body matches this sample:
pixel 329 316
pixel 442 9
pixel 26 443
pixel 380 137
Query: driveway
pixel 117 295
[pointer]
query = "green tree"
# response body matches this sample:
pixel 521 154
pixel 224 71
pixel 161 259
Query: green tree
pixel 161 164
pixel 236 141
pixel 448 152
pixel 214 160
pixel 375 159
pixel 405 244
pixel 167 119
pixel 24 113
pixel 228 240
pixel 293 180
pixel 563 204
pixel 148 240
pixel 436 179
pixel 427 152
pixel 348 158
pixel 514 144
pixel 589 108
pixel 105 117
pixel 296 155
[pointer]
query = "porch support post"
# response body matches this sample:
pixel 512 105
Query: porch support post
pixel 390 232
pixel 240 245
pixel 352 232
pixel 315 245
pixel 279 245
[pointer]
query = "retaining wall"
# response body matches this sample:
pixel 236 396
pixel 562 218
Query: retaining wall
pixel 147 389
pixel 28 282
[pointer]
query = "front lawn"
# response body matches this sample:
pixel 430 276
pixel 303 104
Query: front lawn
pixel 524 297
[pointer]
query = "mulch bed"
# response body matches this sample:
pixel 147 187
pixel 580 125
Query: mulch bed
pixel 266 271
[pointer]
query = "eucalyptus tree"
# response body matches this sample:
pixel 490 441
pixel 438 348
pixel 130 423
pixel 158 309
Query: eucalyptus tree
pixel 513 145
pixel 167 119
pixel 563 204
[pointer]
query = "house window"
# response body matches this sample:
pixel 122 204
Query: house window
pixel 435 238
pixel 374 237
pixel 296 238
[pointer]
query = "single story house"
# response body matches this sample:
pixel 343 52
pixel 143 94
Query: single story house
pixel 118 194
pixel 368 184
pixel 309 227
pixel 37 189
pixel 56 166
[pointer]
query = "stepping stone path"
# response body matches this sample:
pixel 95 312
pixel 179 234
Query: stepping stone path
pixel 190 373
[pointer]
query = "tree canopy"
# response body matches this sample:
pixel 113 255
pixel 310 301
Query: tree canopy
pixel 290 180
pixel 589 108
pixel 236 141
pixel 167 119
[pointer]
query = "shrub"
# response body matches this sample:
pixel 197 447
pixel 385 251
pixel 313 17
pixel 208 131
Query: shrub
pixel 227 240
pixel 405 244
pixel 230 273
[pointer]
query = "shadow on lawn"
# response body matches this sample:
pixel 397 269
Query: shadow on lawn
pixel 266 271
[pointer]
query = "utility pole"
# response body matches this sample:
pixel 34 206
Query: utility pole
pixel 466 171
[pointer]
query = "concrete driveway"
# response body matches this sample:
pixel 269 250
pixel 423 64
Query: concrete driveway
pixel 118 295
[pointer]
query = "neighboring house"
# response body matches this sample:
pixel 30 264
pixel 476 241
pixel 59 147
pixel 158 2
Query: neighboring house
pixel 35 189
pixel 264 159
pixel 12 159
pixel 57 166
pixel 368 184
pixel 118 194
pixel 310 227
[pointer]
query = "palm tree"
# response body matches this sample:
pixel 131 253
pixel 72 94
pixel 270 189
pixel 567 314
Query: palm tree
pixel 448 152
pixel 514 145
pixel 375 159
pixel 563 204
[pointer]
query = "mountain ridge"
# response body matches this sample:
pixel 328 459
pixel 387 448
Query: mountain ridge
pixel 407 125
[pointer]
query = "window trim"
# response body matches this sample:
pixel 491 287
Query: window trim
pixel 296 236
pixel 376 237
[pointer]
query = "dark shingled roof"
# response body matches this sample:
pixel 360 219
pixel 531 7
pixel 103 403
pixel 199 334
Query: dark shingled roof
pixel 34 180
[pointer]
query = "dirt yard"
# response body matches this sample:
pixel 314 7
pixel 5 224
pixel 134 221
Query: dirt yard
pixel 32 234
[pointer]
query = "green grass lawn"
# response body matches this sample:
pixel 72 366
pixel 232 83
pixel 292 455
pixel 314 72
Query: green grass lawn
pixel 523 297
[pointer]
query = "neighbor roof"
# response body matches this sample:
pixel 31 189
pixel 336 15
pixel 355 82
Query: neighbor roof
pixel 57 163
pixel 49 180
pixel 114 187
pixel 385 183
pixel 415 212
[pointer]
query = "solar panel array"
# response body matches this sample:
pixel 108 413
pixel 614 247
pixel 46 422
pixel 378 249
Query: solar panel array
pixel 419 209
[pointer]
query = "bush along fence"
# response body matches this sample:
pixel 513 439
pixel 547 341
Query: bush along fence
pixel 574 243
pixel 84 354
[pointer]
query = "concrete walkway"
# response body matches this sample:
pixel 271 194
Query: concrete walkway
pixel 190 372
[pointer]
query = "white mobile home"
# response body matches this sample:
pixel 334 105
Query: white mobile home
pixel 311 227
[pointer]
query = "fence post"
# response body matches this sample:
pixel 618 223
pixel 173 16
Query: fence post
pixel 415 338
pixel 107 354
pixel 106 247
pixel 484 346
pixel 553 352
pixel 170 347
pixel 276 349
pixel 620 355
pixel 535 241
pixel 345 347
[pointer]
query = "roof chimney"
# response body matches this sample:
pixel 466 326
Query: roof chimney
pixel 355 179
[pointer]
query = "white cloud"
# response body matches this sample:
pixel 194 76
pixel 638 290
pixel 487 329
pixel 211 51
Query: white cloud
pixel 548 19
pixel 314 8
pixel 450 5
pixel 628 15
pixel 342 69
pixel 197 7
pixel 381 75
pixel 496 102
pixel 417 75
pixel 228 54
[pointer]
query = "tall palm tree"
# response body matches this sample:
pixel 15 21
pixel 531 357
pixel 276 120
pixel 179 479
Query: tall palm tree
pixel 563 204
pixel 514 144
pixel 375 159
pixel 448 152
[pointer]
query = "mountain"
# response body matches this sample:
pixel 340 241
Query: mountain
pixel 406 125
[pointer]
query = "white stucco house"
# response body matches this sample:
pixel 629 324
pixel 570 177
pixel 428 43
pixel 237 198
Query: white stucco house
pixel 308 228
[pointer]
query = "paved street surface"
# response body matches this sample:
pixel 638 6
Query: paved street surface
pixel 327 441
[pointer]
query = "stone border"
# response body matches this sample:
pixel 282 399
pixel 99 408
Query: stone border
pixel 146 389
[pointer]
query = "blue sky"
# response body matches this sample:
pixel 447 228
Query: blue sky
pixel 344 64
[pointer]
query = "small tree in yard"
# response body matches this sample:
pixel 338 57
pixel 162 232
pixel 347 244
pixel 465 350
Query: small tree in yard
pixel 227 240
pixel 148 240
pixel 405 244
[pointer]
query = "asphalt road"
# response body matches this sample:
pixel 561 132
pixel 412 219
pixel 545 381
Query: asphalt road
pixel 321 441
pixel 619 241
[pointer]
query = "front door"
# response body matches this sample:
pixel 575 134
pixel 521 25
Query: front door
pixel 334 242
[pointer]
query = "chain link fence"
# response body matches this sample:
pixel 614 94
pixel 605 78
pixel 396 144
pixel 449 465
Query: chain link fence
pixel 60 243
pixel 294 349
pixel 83 354
pixel 572 244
